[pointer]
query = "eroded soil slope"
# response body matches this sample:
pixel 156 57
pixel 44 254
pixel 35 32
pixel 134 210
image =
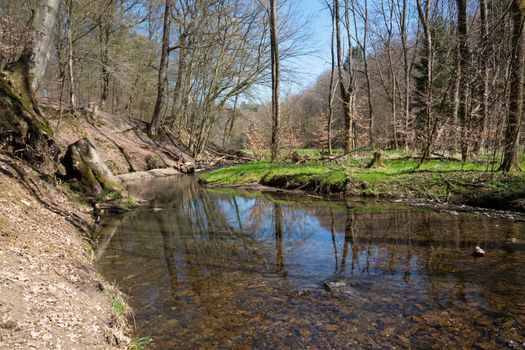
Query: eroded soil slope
pixel 122 142
pixel 50 294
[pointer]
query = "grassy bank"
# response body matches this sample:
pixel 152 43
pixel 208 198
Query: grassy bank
pixel 443 180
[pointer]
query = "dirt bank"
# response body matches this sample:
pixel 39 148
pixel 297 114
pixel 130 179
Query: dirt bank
pixel 50 294
pixel 121 141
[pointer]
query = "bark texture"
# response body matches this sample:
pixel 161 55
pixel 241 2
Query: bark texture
pixel 276 80
pixel 163 70
pixel 24 132
pixel 36 53
pixel 512 133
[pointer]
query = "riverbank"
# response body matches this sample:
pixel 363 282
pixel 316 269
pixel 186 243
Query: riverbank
pixel 439 180
pixel 51 295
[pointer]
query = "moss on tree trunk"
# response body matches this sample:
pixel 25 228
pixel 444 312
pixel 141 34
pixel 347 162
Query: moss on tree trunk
pixel 24 132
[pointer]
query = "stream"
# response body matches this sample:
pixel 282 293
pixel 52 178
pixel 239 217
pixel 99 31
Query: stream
pixel 208 268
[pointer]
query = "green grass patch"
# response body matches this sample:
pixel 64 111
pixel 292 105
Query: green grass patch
pixel 263 171
pixel 402 176
pixel 141 343
pixel 119 306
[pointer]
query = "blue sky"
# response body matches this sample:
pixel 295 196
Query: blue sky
pixel 319 29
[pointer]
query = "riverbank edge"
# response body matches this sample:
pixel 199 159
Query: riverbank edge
pixel 51 294
pixel 38 214
pixel 480 200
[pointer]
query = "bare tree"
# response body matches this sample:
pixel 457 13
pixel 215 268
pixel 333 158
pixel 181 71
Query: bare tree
pixel 276 80
pixel 463 51
pixel 163 68
pixel 331 92
pixel 484 85
pixel 427 95
pixel 511 161
pixel 347 90
pixel 70 57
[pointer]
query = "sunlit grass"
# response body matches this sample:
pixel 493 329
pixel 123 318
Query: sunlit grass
pixel 142 343
pixel 119 306
pixel 401 176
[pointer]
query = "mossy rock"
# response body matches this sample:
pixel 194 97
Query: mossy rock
pixel 86 171
pixel 155 161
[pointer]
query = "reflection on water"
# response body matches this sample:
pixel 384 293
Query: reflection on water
pixel 211 269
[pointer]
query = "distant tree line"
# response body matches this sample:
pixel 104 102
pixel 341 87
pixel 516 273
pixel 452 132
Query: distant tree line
pixel 429 75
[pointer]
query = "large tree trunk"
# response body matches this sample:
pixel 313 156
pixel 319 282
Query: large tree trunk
pixel 512 133
pixel 163 70
pixel 276 80
pixel 33 60
pixel 176 108
pixel 24 131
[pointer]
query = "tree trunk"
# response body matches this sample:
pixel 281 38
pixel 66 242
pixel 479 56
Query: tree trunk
pixel 371 141
pixel 105 33
pixel 463 52
pixel 406 68
pixel 70 56
pixel 176 120
pixel 24 130
pixel 163 70
pixel 512 133
pixel 484 86
pixel 424 17
pixel 346 94
pixel 36 52
pixel 86 170
pixel 276 80
pixel 377 160
pixel 331 92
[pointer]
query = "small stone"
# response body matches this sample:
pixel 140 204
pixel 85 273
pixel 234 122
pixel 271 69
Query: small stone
pixel 26 202
pixel 478 252
pixel 334 285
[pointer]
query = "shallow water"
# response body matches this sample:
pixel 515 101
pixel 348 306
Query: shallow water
pixel 221 269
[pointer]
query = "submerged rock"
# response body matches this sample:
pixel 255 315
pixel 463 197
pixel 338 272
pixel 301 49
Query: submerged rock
pixel 344 289
pixel 478 252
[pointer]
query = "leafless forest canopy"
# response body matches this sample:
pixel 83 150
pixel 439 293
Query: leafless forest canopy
pixel 436 76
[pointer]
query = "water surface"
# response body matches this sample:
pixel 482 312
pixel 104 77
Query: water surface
pixel 220 269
